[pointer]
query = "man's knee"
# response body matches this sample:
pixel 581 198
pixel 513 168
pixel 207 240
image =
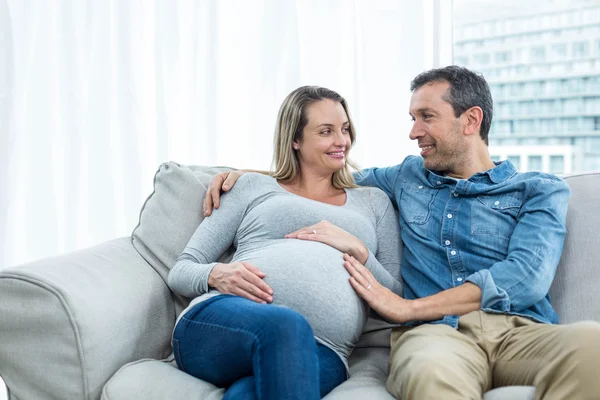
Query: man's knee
pixel 427 374
pixel 583 340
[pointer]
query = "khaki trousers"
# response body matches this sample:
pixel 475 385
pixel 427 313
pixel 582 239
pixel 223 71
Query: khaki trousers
pixel 488 351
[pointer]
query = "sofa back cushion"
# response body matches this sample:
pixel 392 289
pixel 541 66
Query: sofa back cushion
pixel 574 292
pixel 170 216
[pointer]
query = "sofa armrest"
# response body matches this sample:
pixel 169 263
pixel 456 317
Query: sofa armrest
pixel 68 323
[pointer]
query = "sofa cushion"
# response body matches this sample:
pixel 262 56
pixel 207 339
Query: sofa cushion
pixel 574 292
pixel 511 393
pixel 170 216
pixel 151 379
pixel 157 380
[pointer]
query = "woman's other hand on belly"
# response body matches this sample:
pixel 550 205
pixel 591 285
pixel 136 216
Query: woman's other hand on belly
pixel 241 279
pixel 334 236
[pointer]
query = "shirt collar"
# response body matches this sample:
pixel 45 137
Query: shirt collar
pixel 500 173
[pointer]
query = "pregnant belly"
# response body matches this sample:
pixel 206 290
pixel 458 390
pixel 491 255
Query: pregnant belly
pixel 310 277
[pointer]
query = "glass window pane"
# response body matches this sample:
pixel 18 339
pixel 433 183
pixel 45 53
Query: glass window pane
pixel 516 160
pixel 557 164
pixel 534 163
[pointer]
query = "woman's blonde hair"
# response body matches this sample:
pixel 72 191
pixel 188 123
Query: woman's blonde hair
pixel 291 121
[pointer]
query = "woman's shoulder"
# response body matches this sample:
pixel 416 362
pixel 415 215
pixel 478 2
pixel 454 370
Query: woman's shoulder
pixel 256 178
pixel 250 182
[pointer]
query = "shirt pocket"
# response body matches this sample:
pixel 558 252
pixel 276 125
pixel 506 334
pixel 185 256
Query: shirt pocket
pixel 495 215
pixel 416 202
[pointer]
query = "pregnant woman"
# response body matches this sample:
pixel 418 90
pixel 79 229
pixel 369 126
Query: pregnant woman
pixel 281 319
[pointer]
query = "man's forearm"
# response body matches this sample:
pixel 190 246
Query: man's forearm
pixel 456 301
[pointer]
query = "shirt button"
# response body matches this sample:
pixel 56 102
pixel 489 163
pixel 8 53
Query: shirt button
pixel 449 215
pixel 453 252
pixel 496 203
pixel 421 187
pixel 447 242
pixel 455 194
pixel 459 279
pixel 439 182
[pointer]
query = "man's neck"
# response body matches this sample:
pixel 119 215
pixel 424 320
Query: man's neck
pixel 472 167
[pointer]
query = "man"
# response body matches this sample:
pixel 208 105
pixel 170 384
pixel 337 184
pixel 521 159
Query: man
pixel 481 246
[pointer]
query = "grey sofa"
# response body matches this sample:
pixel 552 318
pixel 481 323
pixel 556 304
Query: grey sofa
pixel 97 323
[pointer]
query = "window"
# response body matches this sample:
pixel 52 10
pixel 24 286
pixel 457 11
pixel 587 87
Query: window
pixel 516 160
pixel 559 51
pixel 534 163
pixel 557 164
pixel 482 59
pixel 580 49
pixel 503 57
pixel 537 54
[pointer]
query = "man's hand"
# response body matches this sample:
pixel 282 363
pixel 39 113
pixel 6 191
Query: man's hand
pixel 328 233
pixel 459 300
pixel 223 181
pixel 385 302
pixel 241 279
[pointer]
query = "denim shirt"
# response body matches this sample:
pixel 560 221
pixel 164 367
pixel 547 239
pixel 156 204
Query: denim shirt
pixel 501 230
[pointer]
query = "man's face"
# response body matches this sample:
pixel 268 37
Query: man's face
pixel 436 129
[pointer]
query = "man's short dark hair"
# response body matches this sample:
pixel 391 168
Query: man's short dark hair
pixel 467 89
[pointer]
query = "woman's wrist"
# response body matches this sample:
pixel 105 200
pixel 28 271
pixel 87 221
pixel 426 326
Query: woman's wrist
pixel 361 253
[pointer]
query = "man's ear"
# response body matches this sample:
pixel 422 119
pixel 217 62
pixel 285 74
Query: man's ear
pixel 473 118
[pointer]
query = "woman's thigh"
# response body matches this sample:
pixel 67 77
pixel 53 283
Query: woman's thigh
pixel 217 340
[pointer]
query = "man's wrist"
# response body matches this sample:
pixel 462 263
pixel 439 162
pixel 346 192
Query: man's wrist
pixel 411 308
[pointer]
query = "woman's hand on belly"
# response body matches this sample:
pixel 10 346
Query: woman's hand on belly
pixel 241 279
pixel 334 236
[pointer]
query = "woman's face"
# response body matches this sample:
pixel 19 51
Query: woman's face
pixel 326 138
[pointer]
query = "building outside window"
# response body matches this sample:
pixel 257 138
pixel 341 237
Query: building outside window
pixel 542 61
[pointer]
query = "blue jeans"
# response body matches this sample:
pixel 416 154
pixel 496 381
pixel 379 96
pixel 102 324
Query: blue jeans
pixel 255 351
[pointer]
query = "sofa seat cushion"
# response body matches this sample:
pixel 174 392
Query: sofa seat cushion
pixel 157 380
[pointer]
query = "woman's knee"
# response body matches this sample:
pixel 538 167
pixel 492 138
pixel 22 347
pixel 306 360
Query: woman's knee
pixel 282 324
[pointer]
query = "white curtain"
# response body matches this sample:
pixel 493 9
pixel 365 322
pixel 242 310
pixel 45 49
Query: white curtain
pixel 95 94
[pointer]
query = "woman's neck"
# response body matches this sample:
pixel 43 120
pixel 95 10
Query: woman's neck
pixel 316 187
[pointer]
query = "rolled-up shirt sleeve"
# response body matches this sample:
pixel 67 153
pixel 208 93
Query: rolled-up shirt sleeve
pixel 534 250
